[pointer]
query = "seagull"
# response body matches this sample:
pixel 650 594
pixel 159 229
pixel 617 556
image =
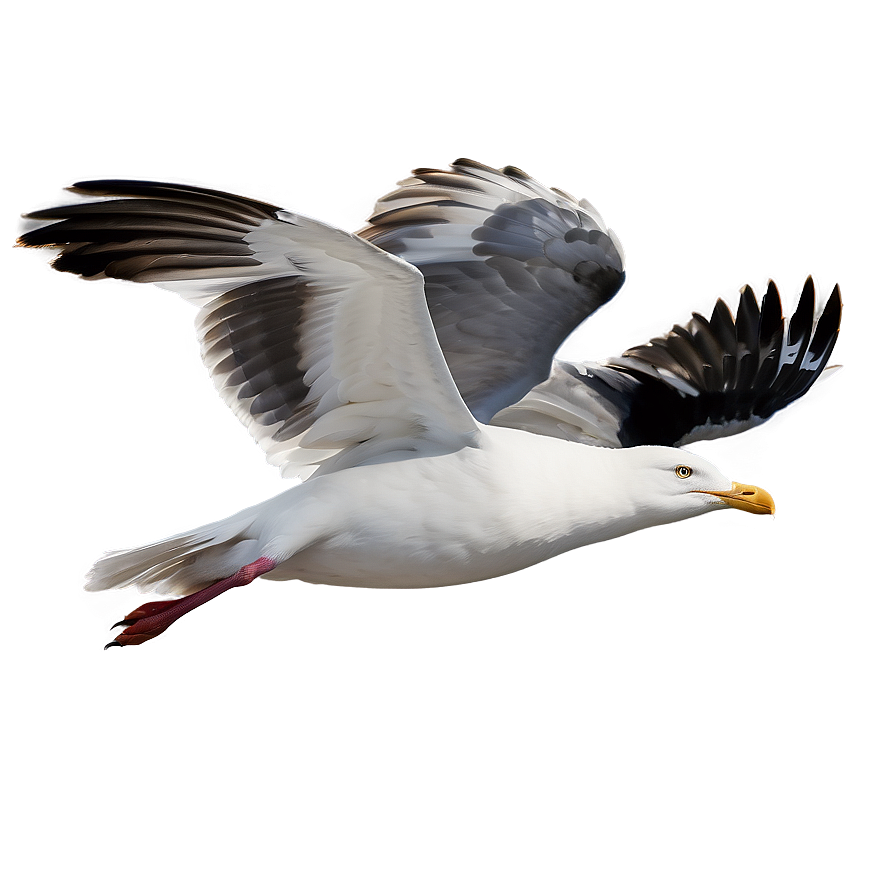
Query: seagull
pixel 406 373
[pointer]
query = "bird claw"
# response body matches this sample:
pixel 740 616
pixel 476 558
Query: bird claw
pixel 141 631
pixel 144 623
pixel 149 609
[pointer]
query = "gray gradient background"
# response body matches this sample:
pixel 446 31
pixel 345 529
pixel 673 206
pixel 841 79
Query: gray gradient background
pixel 706 708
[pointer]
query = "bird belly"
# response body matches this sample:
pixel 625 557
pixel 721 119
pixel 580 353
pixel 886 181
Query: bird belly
pixel 421 523
pixel 405 564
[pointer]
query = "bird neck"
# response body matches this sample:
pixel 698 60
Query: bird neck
pixel 578 494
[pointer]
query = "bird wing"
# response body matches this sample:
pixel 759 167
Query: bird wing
pixel 703 380
pixel 318 341
pixel 511 268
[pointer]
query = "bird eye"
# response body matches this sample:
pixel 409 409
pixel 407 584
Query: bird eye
pixel 682 472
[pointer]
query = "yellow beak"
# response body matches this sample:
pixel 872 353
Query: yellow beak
pixel 746 497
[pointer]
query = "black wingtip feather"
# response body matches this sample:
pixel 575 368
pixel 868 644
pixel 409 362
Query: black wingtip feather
pixel 770 315
pixel 739 366
pixel 149 231
pixel 464 162
pixel 722 323
pixel 801 319
pixel 165 190
pixel 746 323
pixel 828 327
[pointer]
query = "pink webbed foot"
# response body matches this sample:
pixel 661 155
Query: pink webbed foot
pixel 151 619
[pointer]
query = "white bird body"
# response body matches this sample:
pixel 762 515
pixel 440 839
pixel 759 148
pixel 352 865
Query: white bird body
pixel 473 514
pixel 378 379
pixel 511 502
pixel 422 519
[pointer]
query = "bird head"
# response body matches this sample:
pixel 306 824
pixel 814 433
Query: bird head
pixel 679 485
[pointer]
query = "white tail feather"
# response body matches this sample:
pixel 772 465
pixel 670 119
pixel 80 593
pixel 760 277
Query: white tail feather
pixel 181 564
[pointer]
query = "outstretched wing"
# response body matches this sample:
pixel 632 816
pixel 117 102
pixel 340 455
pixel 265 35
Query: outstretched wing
pixel 511 268
pixel 318 341
pixel 707 379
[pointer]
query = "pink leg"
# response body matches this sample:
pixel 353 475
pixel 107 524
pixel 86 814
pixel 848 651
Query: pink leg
pixel 153 618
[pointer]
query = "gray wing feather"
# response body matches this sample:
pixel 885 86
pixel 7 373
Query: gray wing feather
pixel 510 266
pixel 318 341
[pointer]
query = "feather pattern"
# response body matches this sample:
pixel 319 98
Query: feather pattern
pixel 511 268
pixel 707 379
pixel 318 341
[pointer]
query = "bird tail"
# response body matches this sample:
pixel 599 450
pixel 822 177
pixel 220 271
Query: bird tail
pixel 181 564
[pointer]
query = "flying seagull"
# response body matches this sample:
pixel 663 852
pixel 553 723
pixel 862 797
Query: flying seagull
pixel 407 371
